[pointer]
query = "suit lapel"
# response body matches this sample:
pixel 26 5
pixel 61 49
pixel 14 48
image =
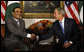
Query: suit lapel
pixel 15 23
pixel 59 29
pixel 65 25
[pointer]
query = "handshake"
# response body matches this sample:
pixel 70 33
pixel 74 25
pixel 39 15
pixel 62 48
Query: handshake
pixel 32 36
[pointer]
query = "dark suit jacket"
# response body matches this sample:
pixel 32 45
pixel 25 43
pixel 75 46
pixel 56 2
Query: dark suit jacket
pixel 72 32
pixel 14 33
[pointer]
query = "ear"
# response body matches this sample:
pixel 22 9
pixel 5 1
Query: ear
pixel 12 13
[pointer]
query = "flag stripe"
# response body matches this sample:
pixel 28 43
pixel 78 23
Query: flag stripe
pixel 67 12
pixel 72 13
pixel 71 10
pixel 2 22
pixel 2 16
pixel 81 14
pixel 66 15
pixel 2 10
pixel 80 4
pixel 75 11
pixel 75 5
pixel 3 4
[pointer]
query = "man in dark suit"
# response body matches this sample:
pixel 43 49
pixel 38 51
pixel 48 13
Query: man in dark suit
pixel 66 30
pixel 15 32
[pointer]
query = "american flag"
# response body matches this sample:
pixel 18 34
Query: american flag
pixel 3 10
pixel 71 10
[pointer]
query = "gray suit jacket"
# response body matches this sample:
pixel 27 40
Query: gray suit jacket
pixel 14 33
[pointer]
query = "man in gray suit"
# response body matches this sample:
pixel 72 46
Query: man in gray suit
pixel 15 32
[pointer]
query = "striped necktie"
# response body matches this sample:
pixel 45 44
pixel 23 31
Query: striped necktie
pixel 18 22
pixel 62 27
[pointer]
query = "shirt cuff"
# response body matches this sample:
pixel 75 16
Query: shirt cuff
pixel 71 42
pixel 28 35
pixel 37 37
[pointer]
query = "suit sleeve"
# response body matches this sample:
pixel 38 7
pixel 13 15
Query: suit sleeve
pixel 48 34
pixel 15 31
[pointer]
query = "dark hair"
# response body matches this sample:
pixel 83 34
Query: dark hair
pixel 15 8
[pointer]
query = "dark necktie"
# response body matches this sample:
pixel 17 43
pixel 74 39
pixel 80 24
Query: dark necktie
pixel 18 22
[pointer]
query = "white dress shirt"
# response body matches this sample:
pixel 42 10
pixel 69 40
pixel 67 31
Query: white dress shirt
pixel 62 22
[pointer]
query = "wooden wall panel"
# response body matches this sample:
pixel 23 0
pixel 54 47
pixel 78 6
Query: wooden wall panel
pixel 2 30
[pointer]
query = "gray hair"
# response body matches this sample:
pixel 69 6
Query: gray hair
pixel 60 10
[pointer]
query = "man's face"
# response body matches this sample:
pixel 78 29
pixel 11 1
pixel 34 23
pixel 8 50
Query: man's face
pixel 56 14
pixel 17 13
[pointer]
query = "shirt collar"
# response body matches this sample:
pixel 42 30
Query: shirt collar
pixel 62 20
pixel 16 19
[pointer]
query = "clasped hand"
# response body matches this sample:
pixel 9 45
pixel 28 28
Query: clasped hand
pixel 33 36
pixel 66 45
